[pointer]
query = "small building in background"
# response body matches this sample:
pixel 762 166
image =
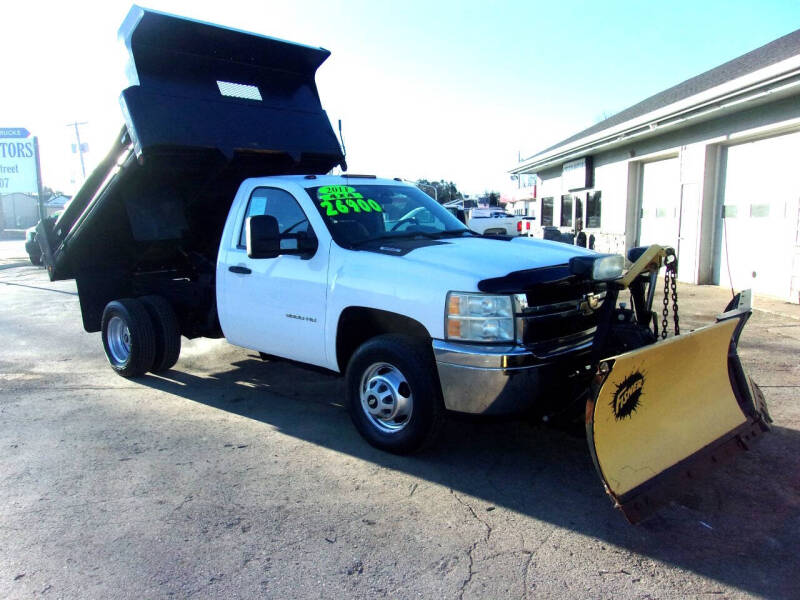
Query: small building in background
pixel 522 199
pixel 56 203
pixel 709 167
pixel 20 211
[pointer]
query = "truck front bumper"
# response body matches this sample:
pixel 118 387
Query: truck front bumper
pixel 491 380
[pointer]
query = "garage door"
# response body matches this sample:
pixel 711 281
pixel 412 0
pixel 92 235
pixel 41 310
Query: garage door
pixel 760 230
pixel 660 201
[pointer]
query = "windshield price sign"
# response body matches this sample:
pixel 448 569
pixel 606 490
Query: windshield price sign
pixel 17 161
pixel 341 199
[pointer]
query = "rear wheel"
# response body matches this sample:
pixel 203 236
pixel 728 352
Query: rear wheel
pixel 128 337
pixel 393 394
pixel 167 332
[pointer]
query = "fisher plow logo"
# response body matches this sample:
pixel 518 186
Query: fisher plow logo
pixel 627 396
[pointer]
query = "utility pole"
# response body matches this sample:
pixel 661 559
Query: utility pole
pixel 76 124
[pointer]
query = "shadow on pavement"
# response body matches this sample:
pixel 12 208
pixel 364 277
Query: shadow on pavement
pixel 739 526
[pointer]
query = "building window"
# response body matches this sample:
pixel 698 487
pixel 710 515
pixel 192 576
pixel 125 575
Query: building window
pixel 593 209
pixel 547 211
pixel 566 210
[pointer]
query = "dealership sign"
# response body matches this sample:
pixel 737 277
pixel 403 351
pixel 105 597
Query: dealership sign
pixel 17 161
pixel 577 174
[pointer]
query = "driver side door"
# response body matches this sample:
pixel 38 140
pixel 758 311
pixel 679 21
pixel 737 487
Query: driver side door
pixel 276 305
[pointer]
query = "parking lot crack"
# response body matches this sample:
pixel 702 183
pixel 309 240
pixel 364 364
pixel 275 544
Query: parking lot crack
pixel 470 572
pixel 525 572
pixel 474 515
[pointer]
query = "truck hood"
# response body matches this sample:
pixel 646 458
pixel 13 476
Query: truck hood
pixel 484 258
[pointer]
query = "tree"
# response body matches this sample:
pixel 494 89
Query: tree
pixel 48 193
pixel 446 191
pixel 491 198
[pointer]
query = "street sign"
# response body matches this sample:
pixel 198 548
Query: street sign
pixel 14 132
pixel 17 162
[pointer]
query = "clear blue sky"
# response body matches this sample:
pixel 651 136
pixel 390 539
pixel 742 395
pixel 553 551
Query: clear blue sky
pixel 433 89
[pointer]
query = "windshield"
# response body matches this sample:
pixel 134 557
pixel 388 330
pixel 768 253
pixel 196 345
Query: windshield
pixel 359 214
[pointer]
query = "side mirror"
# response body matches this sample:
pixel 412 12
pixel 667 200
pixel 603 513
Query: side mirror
pixel 265 241
pixel 263 238
pixel 306 245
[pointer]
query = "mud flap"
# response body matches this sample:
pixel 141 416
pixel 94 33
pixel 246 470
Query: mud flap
pixel 671 411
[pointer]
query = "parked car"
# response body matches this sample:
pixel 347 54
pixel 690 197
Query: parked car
pixel 525 226
pixel 32 246
pixel 493 222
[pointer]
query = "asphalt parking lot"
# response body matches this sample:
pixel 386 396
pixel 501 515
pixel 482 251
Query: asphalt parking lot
pixel 236 478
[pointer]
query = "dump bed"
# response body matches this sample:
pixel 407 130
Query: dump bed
pixel 206 108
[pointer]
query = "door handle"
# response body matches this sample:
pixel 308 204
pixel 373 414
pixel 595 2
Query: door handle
pixel 240 270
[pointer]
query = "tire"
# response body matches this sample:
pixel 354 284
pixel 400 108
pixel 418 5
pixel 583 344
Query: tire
pixel 36 260
pixel 399 371
pixel 129 338
pixel 167 331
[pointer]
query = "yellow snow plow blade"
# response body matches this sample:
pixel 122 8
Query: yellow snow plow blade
pixel 669 411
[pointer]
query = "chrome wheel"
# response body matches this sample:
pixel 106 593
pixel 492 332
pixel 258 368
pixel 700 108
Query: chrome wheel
pixel 118 336
pixel 386 397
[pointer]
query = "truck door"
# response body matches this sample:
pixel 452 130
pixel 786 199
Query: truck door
pixel 276 305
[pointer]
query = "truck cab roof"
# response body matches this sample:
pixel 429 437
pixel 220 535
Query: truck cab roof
pixel 313 181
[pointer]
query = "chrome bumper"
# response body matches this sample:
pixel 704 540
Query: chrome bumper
pixel 488 379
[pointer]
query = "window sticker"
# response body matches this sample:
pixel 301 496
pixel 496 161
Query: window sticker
pixel 341 199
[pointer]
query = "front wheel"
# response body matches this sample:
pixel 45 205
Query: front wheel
pixel 393 394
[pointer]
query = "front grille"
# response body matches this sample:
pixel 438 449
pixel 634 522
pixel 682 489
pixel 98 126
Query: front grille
pixel 562 290
pixel 558 314
pixel 546 328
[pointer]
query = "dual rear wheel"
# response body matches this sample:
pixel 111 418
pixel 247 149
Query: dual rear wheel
pixel 140 335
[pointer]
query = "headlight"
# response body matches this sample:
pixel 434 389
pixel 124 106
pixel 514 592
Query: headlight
pixel 479 317
pixel 603 267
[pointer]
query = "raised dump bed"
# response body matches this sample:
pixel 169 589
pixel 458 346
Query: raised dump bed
pixel 207 107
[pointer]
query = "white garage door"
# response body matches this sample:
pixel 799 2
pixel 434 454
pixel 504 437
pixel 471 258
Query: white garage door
pixel 670 214
pixel 660 201
pixel 760 229
pixel 661 221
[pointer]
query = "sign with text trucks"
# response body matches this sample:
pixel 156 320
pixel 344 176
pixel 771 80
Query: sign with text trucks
pixel 17 161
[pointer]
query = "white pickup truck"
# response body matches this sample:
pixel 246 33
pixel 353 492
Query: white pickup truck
pixel 493 222
pixel 372 279
pixel 211 217
pixel 176 234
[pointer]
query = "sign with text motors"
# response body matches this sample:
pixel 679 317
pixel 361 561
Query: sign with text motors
pixel 17 161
